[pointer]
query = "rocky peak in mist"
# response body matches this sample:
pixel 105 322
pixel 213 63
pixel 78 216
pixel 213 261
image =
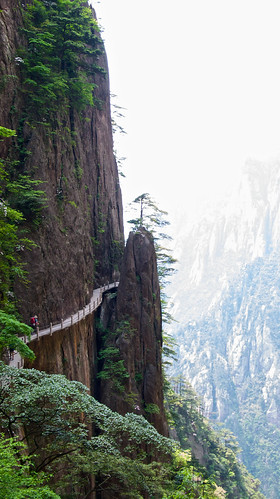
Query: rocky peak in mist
pixel 243 227
pixel 228 336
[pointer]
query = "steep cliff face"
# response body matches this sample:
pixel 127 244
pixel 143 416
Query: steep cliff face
pixel 232 360
pixel 10 39
pixel 116 351
pixel 78 235
pixel 71 352
pixel 131 323
pixel 80 239
pixel 229 349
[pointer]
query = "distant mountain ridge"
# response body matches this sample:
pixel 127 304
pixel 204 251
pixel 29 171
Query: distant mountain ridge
pixel 229 318
pixel 243 227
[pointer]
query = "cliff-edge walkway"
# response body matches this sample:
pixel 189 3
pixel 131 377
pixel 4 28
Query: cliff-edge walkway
pixel 94 303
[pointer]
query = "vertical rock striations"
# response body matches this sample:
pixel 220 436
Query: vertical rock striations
pixel 229 344
pixel 132 324
pixel 68 151
pixel 79 236
pixel 70 352
pixel 79 241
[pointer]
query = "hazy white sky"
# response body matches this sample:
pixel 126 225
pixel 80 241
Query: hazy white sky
pixel 200 82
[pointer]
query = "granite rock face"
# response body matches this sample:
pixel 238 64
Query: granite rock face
pixel 80 240
pixel 133 320
pixel 129 320
pixel 70 352
pixel 80 243
pixel 229 342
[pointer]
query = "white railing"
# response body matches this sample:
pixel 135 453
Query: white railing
pixel 94 303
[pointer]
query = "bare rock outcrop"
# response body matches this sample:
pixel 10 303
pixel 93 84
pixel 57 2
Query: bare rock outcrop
pixel 132 323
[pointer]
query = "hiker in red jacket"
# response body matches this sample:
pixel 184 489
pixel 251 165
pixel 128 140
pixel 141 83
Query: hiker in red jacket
pixel 34 322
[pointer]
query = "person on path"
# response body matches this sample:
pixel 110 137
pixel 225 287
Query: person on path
pixel 34 323
pixel 11 352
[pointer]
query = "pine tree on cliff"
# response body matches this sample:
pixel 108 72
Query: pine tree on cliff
pixel 153 219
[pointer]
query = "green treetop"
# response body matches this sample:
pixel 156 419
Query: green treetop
pixel 62 53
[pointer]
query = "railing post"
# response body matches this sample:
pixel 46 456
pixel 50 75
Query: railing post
pixel 78 315
pixel 71 320
pixel 25 339
pixel 61 324
pixel 51 328
pixel 84 311
pixel 37 331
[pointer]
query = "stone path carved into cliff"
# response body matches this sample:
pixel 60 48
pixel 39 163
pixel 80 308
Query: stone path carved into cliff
pixel 94 303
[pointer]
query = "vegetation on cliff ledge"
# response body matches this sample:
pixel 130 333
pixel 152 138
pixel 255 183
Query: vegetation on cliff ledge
pixel 62 45
pixel 12 243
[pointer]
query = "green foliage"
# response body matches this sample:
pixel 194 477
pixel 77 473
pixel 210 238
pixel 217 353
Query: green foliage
pixel 138 377
pixel 154 220
pixel 12 243
pixel 23 197
pixel 72 203
pixel 62 51
pixel 78 171
pixel 17 479
pixel 11 246
pixel 117 250
pixel 54 416
pixel 124 328
pixel 111 364
pixel 219 451
pixel 190 482
pixel 6 132
pixel 116 116
pixel 260 442
pixel 150 216
pixel 168 349
pixel 152 409
pixel 10 330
